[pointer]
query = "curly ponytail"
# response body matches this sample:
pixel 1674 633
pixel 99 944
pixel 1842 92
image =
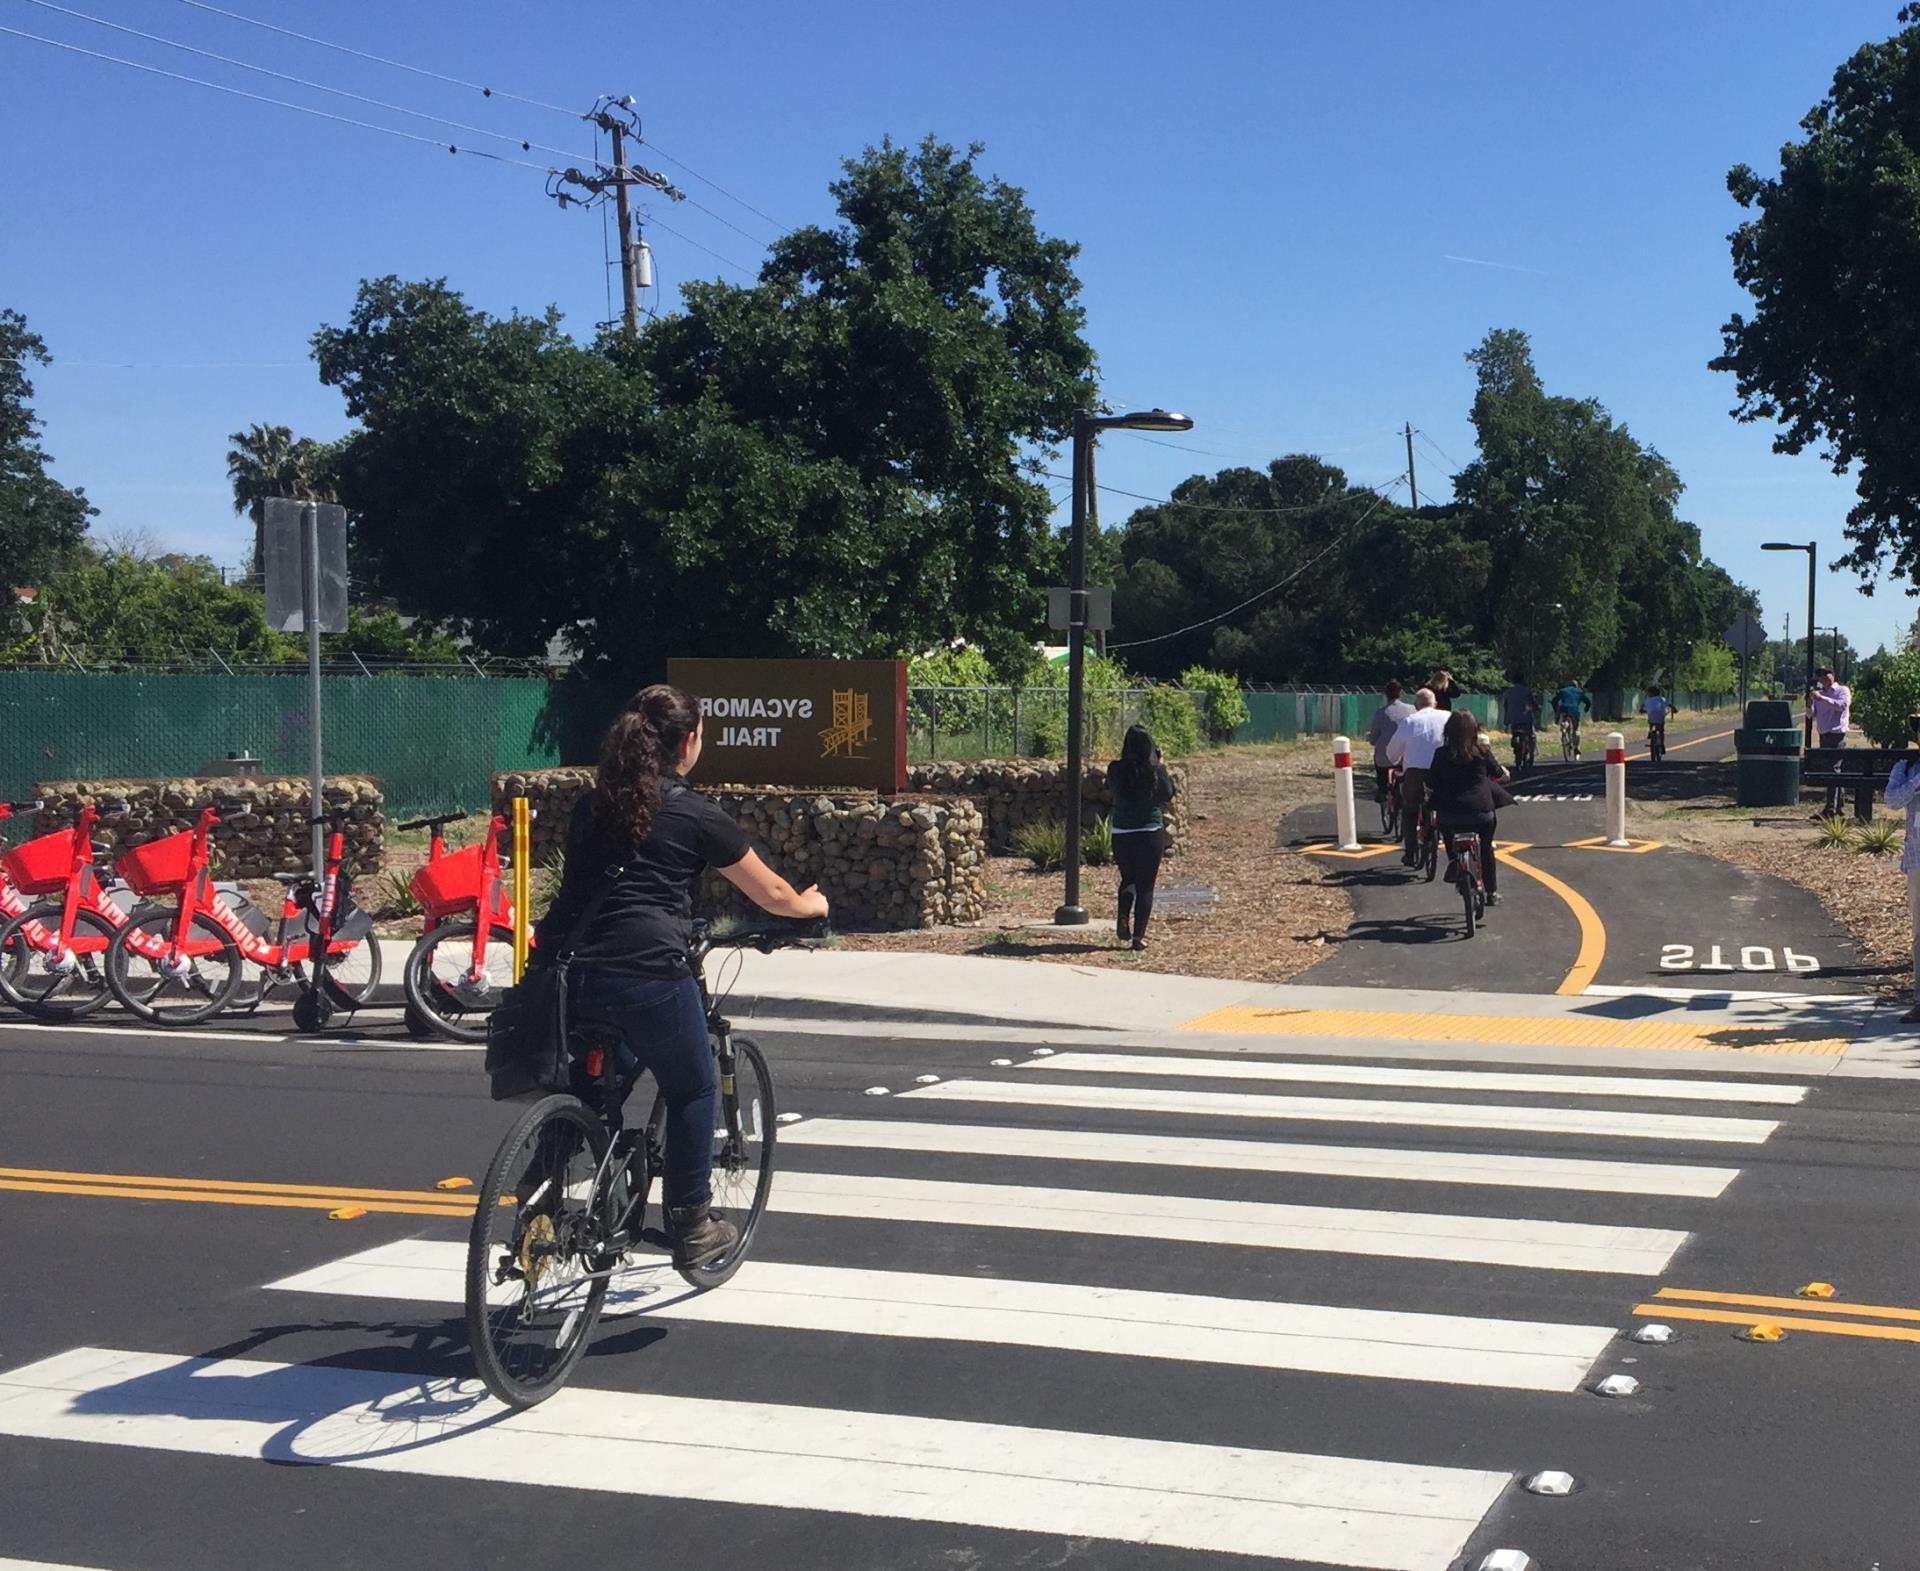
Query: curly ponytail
pixel 642 745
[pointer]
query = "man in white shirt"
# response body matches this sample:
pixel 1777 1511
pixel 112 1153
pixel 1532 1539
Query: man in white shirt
pixel 1415 740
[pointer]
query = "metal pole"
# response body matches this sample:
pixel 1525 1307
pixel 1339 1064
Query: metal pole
pixel 1812 548
pixel 310 616
pixel 1071 912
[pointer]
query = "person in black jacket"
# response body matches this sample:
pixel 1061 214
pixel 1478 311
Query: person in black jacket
pixel 645 829
pixel 1465 787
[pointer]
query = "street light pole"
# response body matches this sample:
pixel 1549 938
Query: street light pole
pixel 1085 428
pixel 1071 913
pixel 1812 548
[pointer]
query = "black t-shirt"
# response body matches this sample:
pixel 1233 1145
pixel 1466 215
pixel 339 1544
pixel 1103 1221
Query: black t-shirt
pixel 1463 789
pixel 645 922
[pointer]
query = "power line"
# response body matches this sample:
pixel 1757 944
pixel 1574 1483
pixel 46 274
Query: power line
pixel 398 65
pixel 1192 627
pixel 745 234
pixel 706 180
pixel 476 87
pixel 301 81
pixel 1445 456
pixel 654 223
pixel 1182 447
pixel 1224 507
pixel 280 103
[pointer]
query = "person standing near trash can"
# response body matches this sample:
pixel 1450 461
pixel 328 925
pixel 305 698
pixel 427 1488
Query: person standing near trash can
pixel 1903 790
pixel 1832 706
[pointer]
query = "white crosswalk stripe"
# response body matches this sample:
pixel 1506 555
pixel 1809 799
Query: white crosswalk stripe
pixel 1014 1240
pixel 1256 1333
pixel 1396 1163
pixel 1353 1110
pixel 1195 1067
pixel 1336 1510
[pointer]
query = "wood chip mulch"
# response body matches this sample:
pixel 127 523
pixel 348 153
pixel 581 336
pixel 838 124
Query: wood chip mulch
pixel 1274 910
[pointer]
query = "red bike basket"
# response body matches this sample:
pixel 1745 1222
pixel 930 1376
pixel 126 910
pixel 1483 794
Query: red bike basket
pixel 450 884
pixel 159 867
pixel 40 866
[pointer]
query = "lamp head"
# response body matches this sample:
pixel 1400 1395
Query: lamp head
pixel 1146 420
pixel 1784 545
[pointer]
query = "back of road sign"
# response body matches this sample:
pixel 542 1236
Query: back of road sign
pixel 286 558
pixel 1747 636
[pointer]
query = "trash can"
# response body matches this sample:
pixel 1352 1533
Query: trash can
pixel 1768 750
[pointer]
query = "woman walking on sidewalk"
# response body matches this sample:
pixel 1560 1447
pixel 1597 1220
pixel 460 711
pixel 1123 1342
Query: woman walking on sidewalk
pixel 1141 788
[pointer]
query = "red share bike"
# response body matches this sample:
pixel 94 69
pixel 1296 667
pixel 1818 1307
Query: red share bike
pixel 53 954
pixel 180 966
pixel 461 965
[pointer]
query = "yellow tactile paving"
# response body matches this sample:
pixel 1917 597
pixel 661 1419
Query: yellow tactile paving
pixel 1561 1031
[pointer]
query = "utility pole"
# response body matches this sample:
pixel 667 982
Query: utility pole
pixel 1412 488
pixel 629 291
pixel 616 117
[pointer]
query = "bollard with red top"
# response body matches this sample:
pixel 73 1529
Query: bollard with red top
pixel 1617 789
pixel 1345 827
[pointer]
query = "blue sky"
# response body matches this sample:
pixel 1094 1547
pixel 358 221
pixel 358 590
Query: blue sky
pixel 1274 200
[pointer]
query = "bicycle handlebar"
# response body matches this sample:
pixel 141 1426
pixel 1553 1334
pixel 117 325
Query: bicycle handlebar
pixel 775 933
pixel 14 809
pixel 435 822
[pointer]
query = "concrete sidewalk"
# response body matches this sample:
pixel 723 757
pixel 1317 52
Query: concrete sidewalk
pixel 1021 1000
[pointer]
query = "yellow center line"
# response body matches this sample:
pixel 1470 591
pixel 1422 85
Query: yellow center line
pixel 1805 1306
pixel 1731 1317
pixel 249 1186
pixel 234 1198
pixel 1593 932
pixel 209 1191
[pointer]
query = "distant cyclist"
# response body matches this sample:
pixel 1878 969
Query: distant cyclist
pixel 1386 720
pixel 1568 704
pixel 1656 706
pixel 1520 712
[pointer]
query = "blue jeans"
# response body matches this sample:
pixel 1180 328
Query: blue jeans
pixel 665 1029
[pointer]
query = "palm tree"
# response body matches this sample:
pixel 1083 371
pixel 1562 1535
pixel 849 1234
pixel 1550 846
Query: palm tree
pixel 267 461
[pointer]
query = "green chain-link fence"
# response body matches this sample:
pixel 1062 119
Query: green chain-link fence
pixel 433 741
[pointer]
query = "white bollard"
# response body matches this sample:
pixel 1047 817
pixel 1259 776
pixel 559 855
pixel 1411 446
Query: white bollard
pixel 1617 789
pixel 1345 829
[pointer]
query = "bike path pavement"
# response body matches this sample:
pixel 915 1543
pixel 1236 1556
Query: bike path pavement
pixel 1577 917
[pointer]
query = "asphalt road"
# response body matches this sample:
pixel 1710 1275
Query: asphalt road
pixel 851 1381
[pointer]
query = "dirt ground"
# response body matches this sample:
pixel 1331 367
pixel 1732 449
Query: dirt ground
pixel 1866 894
pixel 1271 911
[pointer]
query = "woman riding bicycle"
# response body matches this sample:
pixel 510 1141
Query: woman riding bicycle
pixel 647 830
pixel 1464 787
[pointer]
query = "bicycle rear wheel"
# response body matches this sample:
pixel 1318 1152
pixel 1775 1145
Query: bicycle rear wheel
pixel 742 1156
pixel 53 987
pixel 442 987
pixel 535 1281
pixel 352 975
pixel 1390 816
pixel 168 986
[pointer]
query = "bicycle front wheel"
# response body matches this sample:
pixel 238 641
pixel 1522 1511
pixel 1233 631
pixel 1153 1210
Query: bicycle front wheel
pixel 47 984
pixel 535 1280
pixel 448 990
pixel 173 985
pixel 742 1156
pixel 351 973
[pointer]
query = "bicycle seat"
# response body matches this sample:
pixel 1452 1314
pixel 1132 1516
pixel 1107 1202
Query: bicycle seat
pixel 290 879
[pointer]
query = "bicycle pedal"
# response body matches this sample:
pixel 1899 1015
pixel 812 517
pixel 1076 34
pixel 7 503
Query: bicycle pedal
pixel 655 1237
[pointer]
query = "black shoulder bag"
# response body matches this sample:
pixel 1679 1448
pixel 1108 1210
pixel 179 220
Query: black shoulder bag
pixel 528 1054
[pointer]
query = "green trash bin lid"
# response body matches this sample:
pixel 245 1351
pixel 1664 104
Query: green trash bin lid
pixel 1769 714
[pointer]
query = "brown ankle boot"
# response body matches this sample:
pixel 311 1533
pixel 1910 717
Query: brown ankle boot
pixel 698 1235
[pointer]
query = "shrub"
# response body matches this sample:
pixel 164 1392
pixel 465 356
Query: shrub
pixel 1882 837
pixel 1836 834
pixel 1168 712
pixel 1881 705
pixel 1096 843
pixel 396 898
pixel 1226 708
pixel 1044 845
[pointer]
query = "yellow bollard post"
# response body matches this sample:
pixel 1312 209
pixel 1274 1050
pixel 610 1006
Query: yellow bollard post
pixel 522 883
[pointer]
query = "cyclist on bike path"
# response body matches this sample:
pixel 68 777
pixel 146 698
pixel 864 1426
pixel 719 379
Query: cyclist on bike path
pixel 644 823
pixel 1415 740
pixel 1461 785
pixel 1386 720
pixel 1519 706
pixel 1571 700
